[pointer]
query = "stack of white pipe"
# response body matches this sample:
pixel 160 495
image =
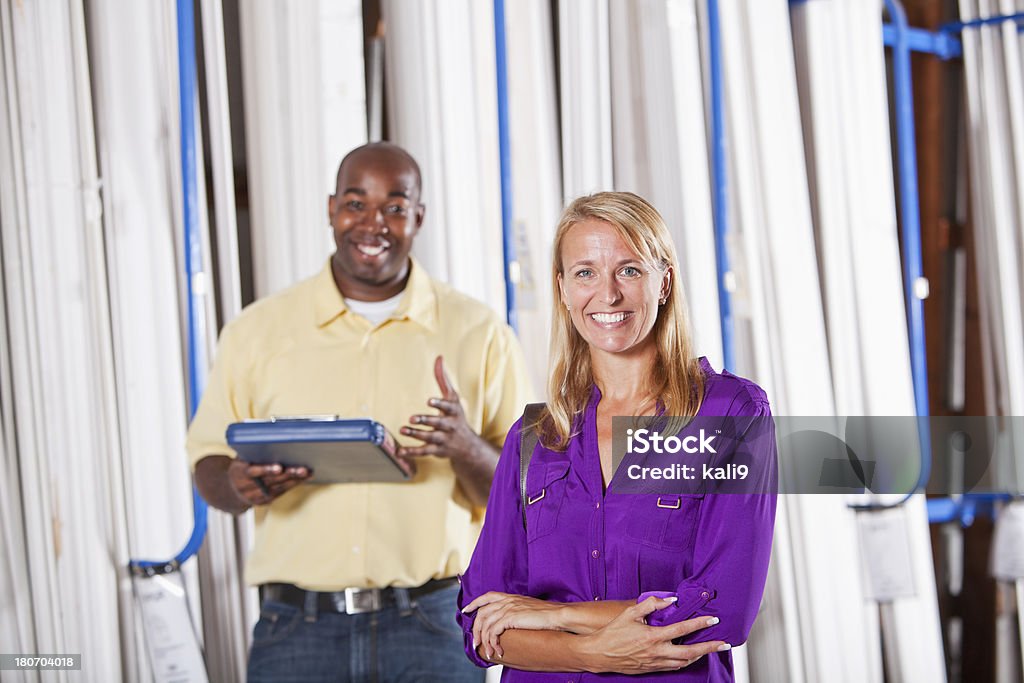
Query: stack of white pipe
pixel 536 171
pixel 995 104
pixel 993 68
pixel 89 276
pixel 442 95
pixel 585 95
pixel 305 107
pixel 780 342
pixel 841 66
pixel 660 141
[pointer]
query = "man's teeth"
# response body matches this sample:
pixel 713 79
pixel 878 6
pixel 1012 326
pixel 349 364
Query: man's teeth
pixel 608 317
pixel 371 250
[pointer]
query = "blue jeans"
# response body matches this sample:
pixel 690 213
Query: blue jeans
pixel 420 643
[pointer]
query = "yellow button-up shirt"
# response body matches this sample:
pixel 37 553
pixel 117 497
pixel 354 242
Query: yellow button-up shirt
pixel 304 352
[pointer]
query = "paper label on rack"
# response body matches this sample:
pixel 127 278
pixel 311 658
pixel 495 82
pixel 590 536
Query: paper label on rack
pixel 174 654
pixel 884 544
pixel 1008 543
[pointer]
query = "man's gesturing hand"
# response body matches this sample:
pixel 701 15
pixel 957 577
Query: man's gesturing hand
pixel 449 436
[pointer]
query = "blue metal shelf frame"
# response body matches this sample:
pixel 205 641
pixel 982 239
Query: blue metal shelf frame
pixel 945 45
pixel 720 177
pixel 193 265
pixel 910 223
pixel 505 155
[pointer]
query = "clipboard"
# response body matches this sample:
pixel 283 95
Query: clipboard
pixel 337 451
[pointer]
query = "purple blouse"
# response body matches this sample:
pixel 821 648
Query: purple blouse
pixel 710 550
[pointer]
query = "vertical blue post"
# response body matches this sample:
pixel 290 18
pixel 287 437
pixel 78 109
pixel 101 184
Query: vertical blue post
pixel 504 152
pixel 720 175
pixel 193 259
pixel 910 223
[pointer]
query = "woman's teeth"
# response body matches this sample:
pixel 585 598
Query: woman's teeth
pixel 606 318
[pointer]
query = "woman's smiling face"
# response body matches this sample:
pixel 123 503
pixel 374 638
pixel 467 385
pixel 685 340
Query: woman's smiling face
pixel 612 294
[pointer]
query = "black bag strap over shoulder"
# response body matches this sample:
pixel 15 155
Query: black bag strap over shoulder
pixel 528 437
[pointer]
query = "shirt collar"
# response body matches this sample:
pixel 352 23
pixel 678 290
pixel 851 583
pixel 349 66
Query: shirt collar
pixel 418 303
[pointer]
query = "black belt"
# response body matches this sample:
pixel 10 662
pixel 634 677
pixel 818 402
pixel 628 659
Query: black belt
pixel 352 600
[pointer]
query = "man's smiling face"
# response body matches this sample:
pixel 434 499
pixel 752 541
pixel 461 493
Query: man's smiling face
pixel 375 214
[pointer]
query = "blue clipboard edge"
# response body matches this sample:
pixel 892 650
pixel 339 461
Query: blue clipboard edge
pixel 315 429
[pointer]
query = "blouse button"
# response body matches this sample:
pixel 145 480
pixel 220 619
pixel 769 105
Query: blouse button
pixel 595 554
pixel 705 595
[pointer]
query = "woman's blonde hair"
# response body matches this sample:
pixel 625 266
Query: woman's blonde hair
pixel 677 380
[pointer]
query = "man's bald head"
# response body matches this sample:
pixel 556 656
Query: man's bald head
pixel 375 213
pixel 383 153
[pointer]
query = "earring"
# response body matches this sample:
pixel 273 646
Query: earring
pixel 568 307
pixel 662 301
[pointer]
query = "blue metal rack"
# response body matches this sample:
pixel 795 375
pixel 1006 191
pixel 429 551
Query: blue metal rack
pixel 910 223
pixel 193 267
pixel 720 176
pixel 945 45
pixel 903 40
pixel 505 152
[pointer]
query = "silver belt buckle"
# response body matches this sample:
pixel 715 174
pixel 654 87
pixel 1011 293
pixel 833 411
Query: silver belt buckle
pixel 361 600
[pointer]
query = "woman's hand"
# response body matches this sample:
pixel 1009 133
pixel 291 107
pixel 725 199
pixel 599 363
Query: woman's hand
pixel 497 612
pixel 628 645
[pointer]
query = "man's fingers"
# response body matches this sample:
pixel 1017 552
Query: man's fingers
pixel 445 384
pixel 448 406
pixel 298 474
pixel 284 486
pixel 418 451
pixel 426 435
pixel 262 486
pixel 438 422
pixel 254 471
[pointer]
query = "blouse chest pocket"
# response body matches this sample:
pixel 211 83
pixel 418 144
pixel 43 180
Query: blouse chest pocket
pixel 666 522
pixel 545 492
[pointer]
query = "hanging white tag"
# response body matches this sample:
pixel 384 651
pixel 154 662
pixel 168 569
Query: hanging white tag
pixel 884 544
pixel 174 653
pixel 1007 562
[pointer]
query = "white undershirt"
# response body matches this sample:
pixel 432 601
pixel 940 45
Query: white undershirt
pixel 375 311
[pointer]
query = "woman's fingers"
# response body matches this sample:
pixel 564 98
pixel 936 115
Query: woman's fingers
pixel 673 631
pixel 685 655
pixel 641 609
pixel 491 621
pixel 495 645
pixel 481 617
pixel 485 599
pixel 492 625
pixel 680 656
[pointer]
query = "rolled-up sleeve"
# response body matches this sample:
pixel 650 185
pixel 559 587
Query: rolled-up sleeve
pixel 225 400
pixel 732 546
pixel 500 559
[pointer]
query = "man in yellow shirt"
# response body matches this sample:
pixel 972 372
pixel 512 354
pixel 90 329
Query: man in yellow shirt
pixel 358 580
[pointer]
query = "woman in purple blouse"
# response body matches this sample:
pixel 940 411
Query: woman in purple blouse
pixel 604 579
